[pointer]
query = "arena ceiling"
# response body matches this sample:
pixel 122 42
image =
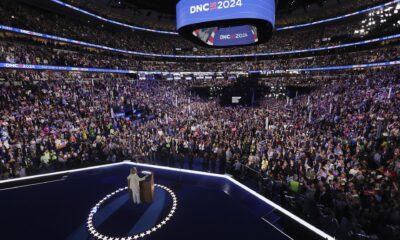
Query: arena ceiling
pixel 286 8
pixel 283 6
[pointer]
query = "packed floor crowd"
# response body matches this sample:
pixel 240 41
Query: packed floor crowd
pixel 340 144
pixel 34 19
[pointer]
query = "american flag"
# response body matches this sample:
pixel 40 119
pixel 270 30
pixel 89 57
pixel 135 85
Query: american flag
pixel 213 6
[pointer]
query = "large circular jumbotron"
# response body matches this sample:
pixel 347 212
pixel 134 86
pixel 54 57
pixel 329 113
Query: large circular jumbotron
pixel 226 23
pixel 99 236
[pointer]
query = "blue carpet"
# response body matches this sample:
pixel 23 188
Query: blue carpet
pixel 151 217
pixel 80 233
pixel 109 209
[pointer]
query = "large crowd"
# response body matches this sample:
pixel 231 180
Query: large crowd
pixel 331 155
pixel 341 143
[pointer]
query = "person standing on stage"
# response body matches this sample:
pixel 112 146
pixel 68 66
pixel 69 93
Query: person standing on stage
pixel 133 185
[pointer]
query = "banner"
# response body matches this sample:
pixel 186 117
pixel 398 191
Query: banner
pixel 105 70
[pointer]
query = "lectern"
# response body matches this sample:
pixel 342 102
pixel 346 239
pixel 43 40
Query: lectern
pixel 147 188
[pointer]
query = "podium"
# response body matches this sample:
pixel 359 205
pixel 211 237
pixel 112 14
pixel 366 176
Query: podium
pixel 147 188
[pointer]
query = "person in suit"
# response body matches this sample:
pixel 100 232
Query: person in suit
pixel 133 185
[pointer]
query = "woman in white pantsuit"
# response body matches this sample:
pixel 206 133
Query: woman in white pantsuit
pixel 133 185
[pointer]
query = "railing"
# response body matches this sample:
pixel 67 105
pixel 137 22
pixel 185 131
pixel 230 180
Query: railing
pixel 270 54
pixel 263 72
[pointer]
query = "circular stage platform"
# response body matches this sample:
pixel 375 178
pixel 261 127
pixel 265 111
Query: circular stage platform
pixel 117 217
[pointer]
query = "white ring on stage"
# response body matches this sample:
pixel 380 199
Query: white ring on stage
pixel 94 233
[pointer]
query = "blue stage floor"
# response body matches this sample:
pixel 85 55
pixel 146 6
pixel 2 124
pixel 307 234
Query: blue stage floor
pixel 208 208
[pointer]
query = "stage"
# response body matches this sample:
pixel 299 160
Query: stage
pixel 206 206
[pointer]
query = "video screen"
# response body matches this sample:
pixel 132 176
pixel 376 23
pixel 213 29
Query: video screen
pixel 227 36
